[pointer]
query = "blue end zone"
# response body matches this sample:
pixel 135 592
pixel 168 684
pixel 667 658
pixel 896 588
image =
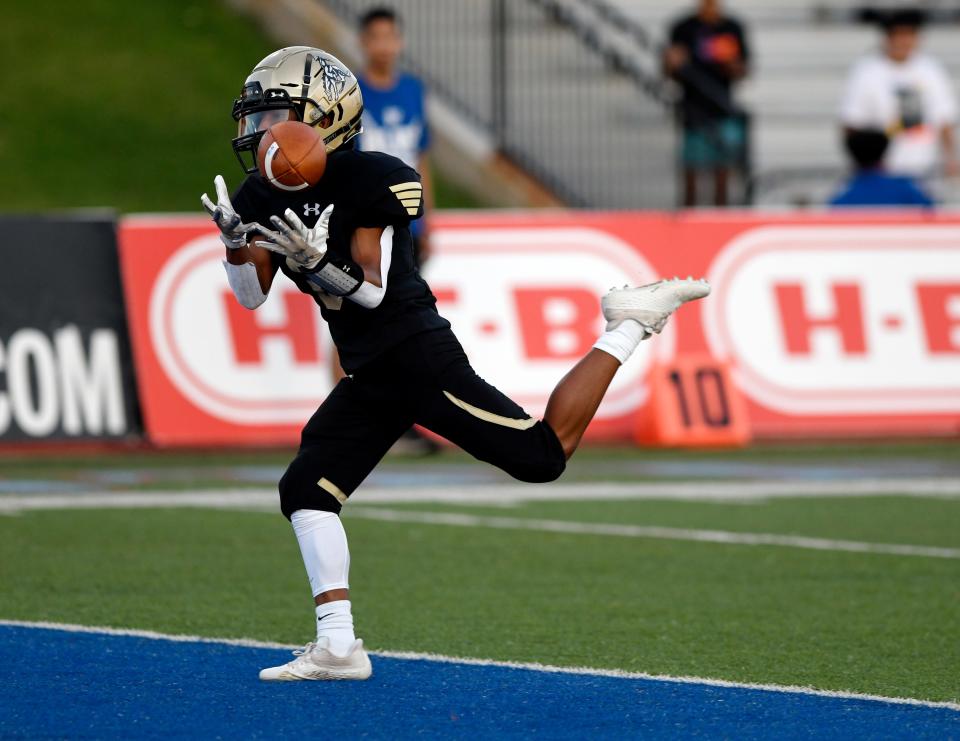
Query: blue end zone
pixel 56 683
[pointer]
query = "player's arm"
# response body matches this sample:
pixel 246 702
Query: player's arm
pixel 372 249
pixel 397 200
pixel 250 269
pixel 361 277
pixel 240 277
pixel 365 251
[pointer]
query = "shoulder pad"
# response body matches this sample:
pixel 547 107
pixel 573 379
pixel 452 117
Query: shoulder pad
pixel 402 194
pixel 386 191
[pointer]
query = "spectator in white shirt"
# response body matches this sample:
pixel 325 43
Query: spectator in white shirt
pixel 908 95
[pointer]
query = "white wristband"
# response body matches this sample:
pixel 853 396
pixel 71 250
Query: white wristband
pixel 245 284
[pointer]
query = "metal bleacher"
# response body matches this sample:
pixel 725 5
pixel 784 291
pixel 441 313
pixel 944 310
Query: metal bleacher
pixel 802 51
pixel 571 90
pixel 554 96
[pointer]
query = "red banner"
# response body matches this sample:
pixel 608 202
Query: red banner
pixel 833 325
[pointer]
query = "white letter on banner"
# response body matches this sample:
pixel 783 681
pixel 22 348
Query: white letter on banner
pixel 91 388
pixel 4 401
pixel 27 345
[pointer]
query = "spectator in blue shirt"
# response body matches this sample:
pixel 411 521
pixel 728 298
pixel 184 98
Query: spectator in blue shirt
pixel 395 122
pixel 394 115
pixel 870 185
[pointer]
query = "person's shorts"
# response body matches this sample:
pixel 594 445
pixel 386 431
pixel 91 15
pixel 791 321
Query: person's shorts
pixel 424 380
pixel 714 144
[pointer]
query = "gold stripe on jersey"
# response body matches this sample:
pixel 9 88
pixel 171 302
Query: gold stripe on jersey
pixel 331 488
pixel 409 195
pixel 400 187
pixel 497 419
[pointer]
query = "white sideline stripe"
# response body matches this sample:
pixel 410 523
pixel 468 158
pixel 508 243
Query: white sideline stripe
pixel 643 531
pixel 727 491
pixel 547 668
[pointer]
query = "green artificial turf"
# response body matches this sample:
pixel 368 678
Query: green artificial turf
pixel 862 622
pixel 125 105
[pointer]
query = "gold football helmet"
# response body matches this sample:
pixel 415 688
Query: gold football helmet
pixel 298 83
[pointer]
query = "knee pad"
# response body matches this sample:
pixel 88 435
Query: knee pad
pixel 300 487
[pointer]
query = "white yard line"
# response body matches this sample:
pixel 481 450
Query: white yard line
pixel 246 499
pixel 415 656
pixel 644 531
pixel 724 491
pixel 214 498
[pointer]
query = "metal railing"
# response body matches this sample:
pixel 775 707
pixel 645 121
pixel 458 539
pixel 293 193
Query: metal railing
pixel 588 117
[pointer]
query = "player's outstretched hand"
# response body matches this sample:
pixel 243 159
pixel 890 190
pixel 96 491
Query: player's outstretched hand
pixel 233 232
pixel 303 247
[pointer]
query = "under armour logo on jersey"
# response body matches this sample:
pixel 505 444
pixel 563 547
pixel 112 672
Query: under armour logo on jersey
pixel 409 194
pixel 309 210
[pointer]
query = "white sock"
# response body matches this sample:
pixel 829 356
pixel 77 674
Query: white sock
pixel 323 545
pixel 622 341
pixel 335 623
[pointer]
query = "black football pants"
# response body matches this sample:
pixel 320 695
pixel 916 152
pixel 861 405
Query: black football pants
pixel 425 380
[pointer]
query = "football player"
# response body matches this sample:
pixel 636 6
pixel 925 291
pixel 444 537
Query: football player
pixel 346 243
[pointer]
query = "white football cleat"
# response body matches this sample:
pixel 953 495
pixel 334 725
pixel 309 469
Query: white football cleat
pixel 316 661
pixel 651 305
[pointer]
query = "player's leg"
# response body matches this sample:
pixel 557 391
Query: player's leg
pixel 575 400
pixel 466 410
pixel 454 402
pixel 633 315
pixel 340 445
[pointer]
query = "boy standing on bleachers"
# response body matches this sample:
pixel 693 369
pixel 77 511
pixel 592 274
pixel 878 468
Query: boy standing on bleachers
pixel 707 54
pixel 394 111
pixel 395 122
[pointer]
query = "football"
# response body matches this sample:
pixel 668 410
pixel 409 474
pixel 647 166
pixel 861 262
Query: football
pixel 292 156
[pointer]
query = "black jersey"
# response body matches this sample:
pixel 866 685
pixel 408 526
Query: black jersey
pixel 368 189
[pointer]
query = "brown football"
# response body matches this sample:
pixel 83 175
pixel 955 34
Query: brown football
pixel 292 156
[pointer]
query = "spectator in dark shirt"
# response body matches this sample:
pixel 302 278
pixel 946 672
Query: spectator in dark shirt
pixel 870 185
pixel 707 53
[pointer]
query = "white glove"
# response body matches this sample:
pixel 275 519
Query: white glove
pixel 304 248
pixel 233 232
